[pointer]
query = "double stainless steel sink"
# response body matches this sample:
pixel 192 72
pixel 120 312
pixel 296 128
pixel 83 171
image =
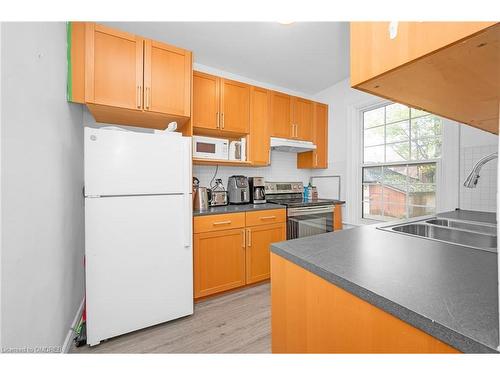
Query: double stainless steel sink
pixel 477 235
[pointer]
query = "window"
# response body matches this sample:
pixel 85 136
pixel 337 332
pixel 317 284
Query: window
pixel 401 147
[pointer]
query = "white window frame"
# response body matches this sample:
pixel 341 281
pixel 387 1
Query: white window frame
pixel 447 167
pixel 395 163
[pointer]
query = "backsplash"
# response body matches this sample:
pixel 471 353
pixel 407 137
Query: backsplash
pixel 483 197
pixel 283 168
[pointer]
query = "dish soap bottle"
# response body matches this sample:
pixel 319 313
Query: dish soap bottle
pixel 306 193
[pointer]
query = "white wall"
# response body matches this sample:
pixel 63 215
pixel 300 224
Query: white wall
pixel 42 215
pixel 475 144
pixel 458 141
pixel 341 98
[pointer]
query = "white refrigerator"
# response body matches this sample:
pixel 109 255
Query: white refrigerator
pixel 138 230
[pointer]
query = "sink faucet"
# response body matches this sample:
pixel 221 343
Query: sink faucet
pixel 473 177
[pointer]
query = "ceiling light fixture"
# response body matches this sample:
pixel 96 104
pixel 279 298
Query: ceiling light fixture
pixel 286 22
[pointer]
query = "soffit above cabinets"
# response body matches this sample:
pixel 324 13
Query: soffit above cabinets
pixel 315 54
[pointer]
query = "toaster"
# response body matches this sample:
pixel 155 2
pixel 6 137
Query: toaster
pixel 218 198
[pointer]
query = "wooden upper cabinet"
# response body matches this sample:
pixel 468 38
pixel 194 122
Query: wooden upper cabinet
pixel 205 101
pixel 281 116
pixel 446 68
pixel 167 79
pixel 302 110
pixel 317 159
pixel 235 106
pixel 373 52
pixel 321 135
pixel 113 67
pixel 128 80
pixel 258 139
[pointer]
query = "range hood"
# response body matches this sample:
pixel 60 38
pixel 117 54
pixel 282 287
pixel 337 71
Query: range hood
pixel 291 145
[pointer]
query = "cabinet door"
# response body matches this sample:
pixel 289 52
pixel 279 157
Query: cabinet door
pixel 303 119
pixel 235 106
pixel 167 79
pixel 259 238
pixel 205 101
pixel 281 124
pixel 219 261
pixel 258 140
pixel 113 67
pixel 373 52
pixel 321 135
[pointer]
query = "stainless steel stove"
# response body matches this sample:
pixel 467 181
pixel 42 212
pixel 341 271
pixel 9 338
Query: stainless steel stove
pixel 305 217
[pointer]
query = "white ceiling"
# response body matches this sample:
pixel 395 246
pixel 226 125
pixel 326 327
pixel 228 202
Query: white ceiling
pixel 304 56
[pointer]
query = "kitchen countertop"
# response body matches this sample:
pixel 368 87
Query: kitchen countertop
pixel 446 290
pixel 235 208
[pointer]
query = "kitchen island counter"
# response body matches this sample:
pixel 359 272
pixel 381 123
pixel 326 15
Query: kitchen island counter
pixel 447 291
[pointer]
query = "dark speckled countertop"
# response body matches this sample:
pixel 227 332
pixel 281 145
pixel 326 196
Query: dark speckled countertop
pixel 235 208
pixel 446 290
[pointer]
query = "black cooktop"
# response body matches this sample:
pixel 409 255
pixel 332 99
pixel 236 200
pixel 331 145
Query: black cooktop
pixel 300 202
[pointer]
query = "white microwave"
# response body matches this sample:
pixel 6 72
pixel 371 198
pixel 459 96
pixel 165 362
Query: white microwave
pixel 210 148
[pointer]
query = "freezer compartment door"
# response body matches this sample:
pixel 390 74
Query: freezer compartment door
pixel 128 163
pixel 139 271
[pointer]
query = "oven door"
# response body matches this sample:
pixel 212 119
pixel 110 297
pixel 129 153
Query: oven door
pixel 309 221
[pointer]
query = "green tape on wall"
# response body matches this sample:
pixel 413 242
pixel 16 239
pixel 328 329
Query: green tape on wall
pixel 69 84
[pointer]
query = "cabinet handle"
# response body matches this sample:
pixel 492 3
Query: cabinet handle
pixel 138 98
pixel 222 119
pixel 316 157
pixel 268 217
pixel 249 237
pixel 148 94
pixel 222 222
pixel 243 237
pixel 296 130
pixel 217 123
pixel 293 130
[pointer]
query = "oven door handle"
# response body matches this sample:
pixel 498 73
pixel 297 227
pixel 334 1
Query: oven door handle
pixel 310 210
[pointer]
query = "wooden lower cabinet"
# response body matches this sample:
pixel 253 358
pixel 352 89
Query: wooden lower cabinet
pixel 259 238
pixel 312 315
pixel 337 217
pixel 228 254
pixel 219 261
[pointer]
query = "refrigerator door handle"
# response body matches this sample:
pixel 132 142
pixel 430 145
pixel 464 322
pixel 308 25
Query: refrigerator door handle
pixel 188 220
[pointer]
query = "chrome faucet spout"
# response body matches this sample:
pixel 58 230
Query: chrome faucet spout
pixel 473 177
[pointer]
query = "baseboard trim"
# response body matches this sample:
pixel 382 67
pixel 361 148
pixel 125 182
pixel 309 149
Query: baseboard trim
pixel 71 333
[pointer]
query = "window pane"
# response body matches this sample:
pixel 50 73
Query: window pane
pixel 424 173
pixel 398 152
pixel 428 126
pixel 395 194
pixel 374 117
pixel 394 211
pixel 415 211
pixel 372 210
pixel 424 149
pixel 374 136
pixel 422 194
pixel 372 174
pixel 397 132
pixel 396 112
pixel 395 175
pixel 374 154
pixel 372 192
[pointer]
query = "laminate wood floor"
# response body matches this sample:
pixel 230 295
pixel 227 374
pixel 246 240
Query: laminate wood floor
pixel 237 322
